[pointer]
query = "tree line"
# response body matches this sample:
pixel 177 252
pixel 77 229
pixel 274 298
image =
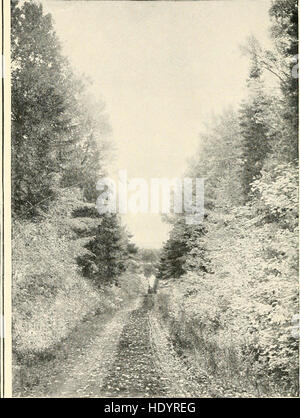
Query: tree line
pixel 240 149
pixel 60 143
pixel 236 273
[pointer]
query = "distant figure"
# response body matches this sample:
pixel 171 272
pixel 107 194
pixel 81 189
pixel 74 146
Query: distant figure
pixel 152 284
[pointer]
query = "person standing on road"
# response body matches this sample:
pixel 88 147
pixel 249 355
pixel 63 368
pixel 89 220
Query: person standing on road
pixel 152 284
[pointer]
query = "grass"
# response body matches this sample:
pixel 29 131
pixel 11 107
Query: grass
pixel 231 374
pixel 51 299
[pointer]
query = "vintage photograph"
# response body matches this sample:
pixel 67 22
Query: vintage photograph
pixel 154 199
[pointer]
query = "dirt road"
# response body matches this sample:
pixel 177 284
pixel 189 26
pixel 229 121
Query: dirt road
pixel 131 356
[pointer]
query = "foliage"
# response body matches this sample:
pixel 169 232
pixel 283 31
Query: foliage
pixel 149 255
pixel 255 143
pixel 50 296
pixel 60 146
pixel 107 252
pixel 233 282
pixel 284 16
pixel 57 132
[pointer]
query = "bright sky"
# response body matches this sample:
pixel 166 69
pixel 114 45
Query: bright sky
pixel 162 68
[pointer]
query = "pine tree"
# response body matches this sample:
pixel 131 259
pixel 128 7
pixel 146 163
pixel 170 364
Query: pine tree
pixel 284 14
pixel 59 135
pixel 108 251
pixel 177 250
pixel 39 116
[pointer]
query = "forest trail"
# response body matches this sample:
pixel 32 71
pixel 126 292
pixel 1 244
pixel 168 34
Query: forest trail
pixel 131 356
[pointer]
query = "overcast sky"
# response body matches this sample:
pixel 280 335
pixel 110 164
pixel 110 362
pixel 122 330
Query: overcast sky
pixel 162 68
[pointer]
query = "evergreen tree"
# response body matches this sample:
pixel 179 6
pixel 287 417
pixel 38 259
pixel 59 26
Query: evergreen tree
pixel 284 14
pixel 107 252
pixel 254 131
pixel 176 251
pixel 39 108
pixel 60 142
pixel 59 135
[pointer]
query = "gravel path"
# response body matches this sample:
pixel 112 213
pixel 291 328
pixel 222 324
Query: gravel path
pixel 128 356
pixel 90 367
pixel 134 372
pixel 146 364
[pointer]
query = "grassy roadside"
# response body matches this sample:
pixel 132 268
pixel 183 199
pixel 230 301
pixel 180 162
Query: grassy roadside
pixel 38 372
pixel 229 370
pixel 52 302
pixel 35 374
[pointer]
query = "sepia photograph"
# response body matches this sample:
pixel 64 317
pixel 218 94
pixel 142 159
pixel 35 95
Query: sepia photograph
pixel 149 215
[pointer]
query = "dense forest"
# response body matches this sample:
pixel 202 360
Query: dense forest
pixel 233 299
pixel 66 257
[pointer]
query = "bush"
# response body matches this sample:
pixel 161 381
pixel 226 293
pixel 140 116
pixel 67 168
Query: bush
pixel 50 296
pixel 238 316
